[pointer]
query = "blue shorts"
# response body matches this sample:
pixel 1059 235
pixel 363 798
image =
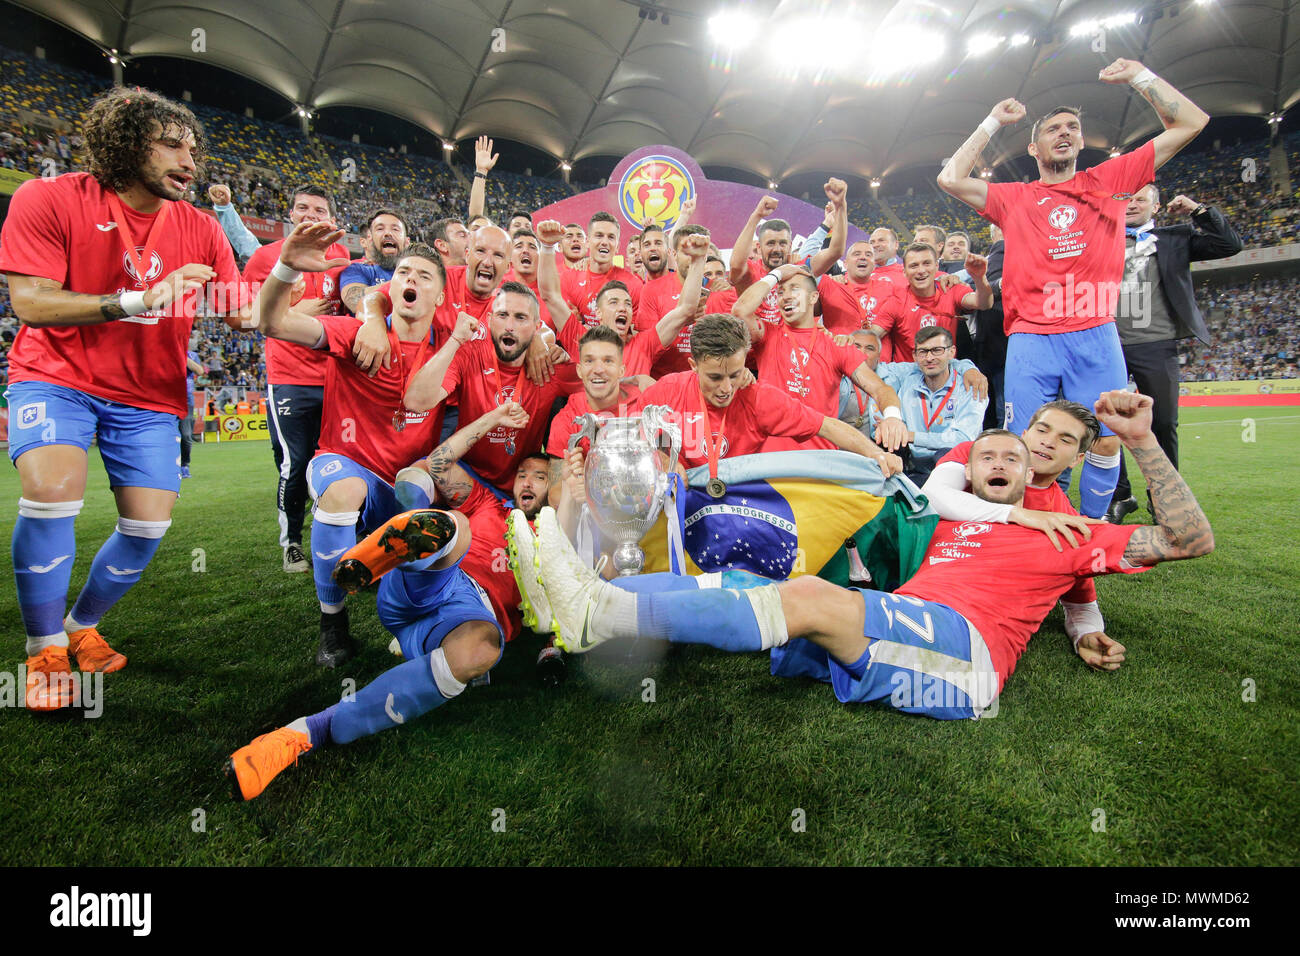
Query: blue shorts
pixel 420 608
pixel 925 658
pixel 381 500
pixel 1075 365
pixel 140 447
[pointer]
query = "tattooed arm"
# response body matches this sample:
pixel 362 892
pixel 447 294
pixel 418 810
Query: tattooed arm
pixel 452 481
pixel 1182 118
pixel 41 302
pixel 1181 529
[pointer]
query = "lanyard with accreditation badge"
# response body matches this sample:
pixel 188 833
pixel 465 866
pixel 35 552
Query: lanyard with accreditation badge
pixel 938 409
pixel 141 261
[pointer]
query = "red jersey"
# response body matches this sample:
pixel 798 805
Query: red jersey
pixel 769 310
pixel 483 383
pixel 357 416
pixel 64 229
pixel 675 353
pixel 557 444
pixel 485 561
pixel 286 362
pixel 1051 498
pixel 658 298
pixel 639 350
pixel 1066 243
pixel 906 313
pixel 808 365
pixel 849 306
pixel 456 298
pixel 581 286
pixel 755 413
pixel 1016 580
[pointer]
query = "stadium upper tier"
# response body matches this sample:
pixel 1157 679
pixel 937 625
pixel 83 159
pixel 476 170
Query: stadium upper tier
pixel 262 160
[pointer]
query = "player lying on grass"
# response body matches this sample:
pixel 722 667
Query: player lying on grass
pixel 1059 435
pixel 945 642
pixel 450 603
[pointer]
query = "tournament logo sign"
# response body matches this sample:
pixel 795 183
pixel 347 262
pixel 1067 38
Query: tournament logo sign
pixel 653 190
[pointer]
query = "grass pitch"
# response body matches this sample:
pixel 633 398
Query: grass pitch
pixel 1164 762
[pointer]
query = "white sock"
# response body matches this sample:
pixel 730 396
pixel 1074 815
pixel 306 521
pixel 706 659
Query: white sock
pixel 330 608
pixel 37 644
pixel 70 624
pixel 615 612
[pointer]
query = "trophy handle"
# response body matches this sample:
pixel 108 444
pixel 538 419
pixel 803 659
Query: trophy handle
pixel 588 426
pixel 655 419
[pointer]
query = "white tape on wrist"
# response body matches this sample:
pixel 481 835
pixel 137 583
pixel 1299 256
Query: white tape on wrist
pixel 774 283
pixel 892 412
pixel 990 125
pixel 132 303
pixel 285 274
pixel 1081 619
pixel 1143 80
pixel 550 247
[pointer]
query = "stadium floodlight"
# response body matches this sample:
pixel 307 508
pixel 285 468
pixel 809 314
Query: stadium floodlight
pixel 875 184
pixel 898 48
pixel 733 29
pixel 986 173
pixel 1114 152
pixel 1019 39
pixel 982 43
pixel 566 165
pixel 448 146
pixel 773 184
pixel 1119 20
pixel 1085 28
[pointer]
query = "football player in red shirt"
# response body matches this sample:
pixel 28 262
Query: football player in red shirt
pixel 573 248
pixel 604 392
pixel 450 602
pixel 1064 239
pixel 923 302
pixel 525 256
pixel 450 240
pixel 295 376
pixel 800 357
pixel 105 269
pixel 581 285
pixel 487 372
pixel 720 419
pixel 849 302
pixel 982 592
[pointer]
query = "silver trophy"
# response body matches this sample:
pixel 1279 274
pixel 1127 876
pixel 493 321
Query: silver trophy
pixel 625 480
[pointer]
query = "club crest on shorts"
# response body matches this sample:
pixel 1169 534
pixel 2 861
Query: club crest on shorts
pixel 29 416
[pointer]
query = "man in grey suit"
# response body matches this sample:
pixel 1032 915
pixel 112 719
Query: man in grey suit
pixel 1157 307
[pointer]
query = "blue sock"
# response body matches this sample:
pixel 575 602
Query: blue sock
pixel 1097 483
pixel 318 726
pixel 44 547
pixel 331 535
pixel 720 618
pixel 394 697
pixel 656 583
pixel 117 566
pixel 411 496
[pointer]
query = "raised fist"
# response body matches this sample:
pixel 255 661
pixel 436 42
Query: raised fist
pixel 466 328
pixel 549 232
pixel 219 195
pixel 766 206
pixel 1008 112
pixel 1121 71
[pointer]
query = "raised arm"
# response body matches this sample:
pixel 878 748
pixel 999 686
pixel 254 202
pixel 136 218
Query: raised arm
pixel 453 483
pixel 955 178
pixel 1182 118
pixel 1181 529
pixel 484 161
pixel 822 261
pixel 549 234
pixel 42 303
pixel 303 250
pixel 241 240
pixel 425 390
pixel 696 249
pixel 1214 237
pixel 747 304
pixel 982 298
pixel 371 350
pixel 739 270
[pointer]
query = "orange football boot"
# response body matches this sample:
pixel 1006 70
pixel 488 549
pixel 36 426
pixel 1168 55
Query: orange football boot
pixel 93 653
pixel 407 537
pixel 252 767
pixel 49 680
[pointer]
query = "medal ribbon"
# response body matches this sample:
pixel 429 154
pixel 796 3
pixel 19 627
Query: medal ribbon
pixel 520 382
pixel 128 242
pixel 401 367
pixel 938 410
pixel 711 448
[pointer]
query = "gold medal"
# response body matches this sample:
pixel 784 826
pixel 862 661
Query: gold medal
pixel 716 488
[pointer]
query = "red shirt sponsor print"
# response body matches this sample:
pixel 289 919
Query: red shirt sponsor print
pixel 286 362
pixel 1066 243
pixel 357 417
pixel 755 413
pixel 849 306
pixel 769 310
pixel 65 229
pixel 1004 578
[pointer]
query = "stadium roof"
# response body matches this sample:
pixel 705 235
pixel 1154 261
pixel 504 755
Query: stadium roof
pixel 822 85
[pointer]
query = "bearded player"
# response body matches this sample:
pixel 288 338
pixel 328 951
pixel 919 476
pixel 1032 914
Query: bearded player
pixel 104 269
pixel 449 601
pixel 1064 239
pixel 942 644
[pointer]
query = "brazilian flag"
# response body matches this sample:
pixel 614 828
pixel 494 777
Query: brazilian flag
pixel 800 512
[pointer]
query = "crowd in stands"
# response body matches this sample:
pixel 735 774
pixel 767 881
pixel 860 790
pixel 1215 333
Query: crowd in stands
pixel 1255 323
